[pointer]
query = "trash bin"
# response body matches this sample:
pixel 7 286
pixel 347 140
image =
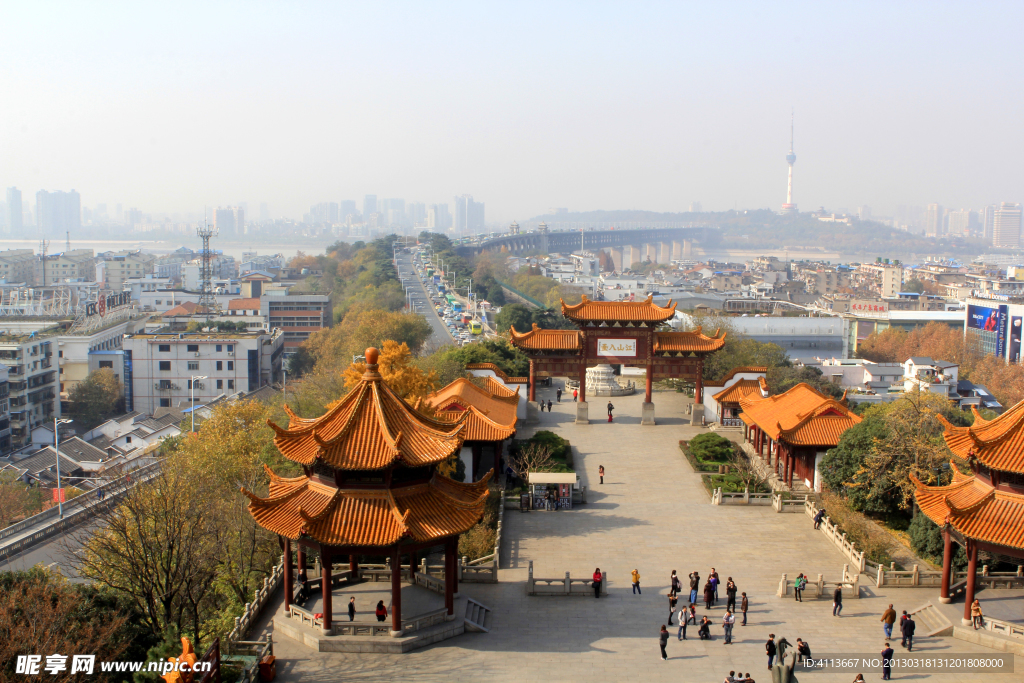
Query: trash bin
pixel 268 668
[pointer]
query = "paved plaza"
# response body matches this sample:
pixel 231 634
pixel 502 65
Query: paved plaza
pixel 652 514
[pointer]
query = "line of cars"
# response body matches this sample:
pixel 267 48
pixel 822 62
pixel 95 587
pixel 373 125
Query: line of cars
pixel 461 326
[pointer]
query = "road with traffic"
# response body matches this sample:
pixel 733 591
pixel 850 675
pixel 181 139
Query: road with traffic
pixel 419 295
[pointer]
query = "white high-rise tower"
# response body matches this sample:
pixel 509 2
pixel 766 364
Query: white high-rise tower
pixel 789 206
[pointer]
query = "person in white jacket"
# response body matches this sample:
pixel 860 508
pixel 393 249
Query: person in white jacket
pixel 727 621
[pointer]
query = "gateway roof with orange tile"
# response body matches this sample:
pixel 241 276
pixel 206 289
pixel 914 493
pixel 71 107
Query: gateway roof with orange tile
pixel 998 443
pixel 800 416
pixel 370 428
pixel 490 411
pixel 537 339
pixel 687 342
pixel 422 512
pixel 974 509
pixel 622 311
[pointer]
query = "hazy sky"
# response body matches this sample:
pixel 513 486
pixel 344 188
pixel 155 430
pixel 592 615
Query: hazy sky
pixel 524 105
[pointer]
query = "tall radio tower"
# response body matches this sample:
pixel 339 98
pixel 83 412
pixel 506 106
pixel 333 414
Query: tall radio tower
pixel 206 299
pixel 789 206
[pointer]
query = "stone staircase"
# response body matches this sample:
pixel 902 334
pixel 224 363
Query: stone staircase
pixel 932 621
pixel 477 616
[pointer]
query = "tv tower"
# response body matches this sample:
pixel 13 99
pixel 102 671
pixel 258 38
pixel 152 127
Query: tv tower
pixel 789 206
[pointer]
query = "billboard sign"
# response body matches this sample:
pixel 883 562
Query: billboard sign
pixel 1002 322
pixel 983 317
pixel 1015 337
pixel 619 348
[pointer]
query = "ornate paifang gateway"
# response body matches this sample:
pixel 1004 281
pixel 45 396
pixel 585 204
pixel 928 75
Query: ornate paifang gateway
pixel 370 486
pixel 617 332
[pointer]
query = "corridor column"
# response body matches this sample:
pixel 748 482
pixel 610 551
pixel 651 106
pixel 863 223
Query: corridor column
pixel 287 574
pixel 582 416
pixel 647 410
pixel 396 591
pixel 947 566
pixel 972 579
pixel 533 384
pixel 325 589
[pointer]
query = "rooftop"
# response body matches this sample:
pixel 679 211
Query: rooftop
pixel 491 409
pixel 645 311
pixel 997 444
pixel 801 416
pixel 974 509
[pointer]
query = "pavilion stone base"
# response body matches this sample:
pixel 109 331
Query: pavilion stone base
pixel 697 417
pixel 314 638
pixel 601 382
pixel 647 414
pixel 582 413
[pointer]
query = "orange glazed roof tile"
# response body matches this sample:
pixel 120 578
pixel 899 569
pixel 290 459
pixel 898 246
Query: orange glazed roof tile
pixel 974 509
pixel 741 389
pixel 491 411
pixel 369 517
pixel 370 428
pixel 732 373
pixel 545 340
pixel 687 342
pixel 622 311
pixel 499 372
pixel 800 416
pixel 998 443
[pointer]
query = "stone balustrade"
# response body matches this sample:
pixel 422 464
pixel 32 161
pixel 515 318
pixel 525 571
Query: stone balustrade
pixel 252 609
pixel 565 586
pixel 832 533
pixel 915 578
pixel 718 497
pixel 820 588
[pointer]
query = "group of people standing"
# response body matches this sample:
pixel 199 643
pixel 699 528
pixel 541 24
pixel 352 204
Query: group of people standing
pixel 686 613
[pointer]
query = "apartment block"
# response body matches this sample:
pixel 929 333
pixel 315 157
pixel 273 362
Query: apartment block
pixel 67 265
pixel 18 265
pixel 114 268
pixel 164 363
pixel 32 381
pixel 297 316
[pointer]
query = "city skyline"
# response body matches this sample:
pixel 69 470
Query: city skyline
pixel 587 108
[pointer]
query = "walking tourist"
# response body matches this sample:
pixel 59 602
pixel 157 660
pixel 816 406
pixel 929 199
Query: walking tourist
pixel 977 619
pixel 798 586
pixel 635 574
pixel 803 650
pixel 351 609
pixel 597 582
pixel 542 406
pixel 887 653
pixel 714 583
pixel 674 580
pixel 704 630
pixel 709 594
pixel 694 585
pixel 575 395
pixel 888 619
pixel 859 678
pixel 837 601
pixel 743 607
pixel 907 630
pixel 671 607
pixel 600 473
pixel 693 613
pixel 903 618
pixel 730 595
pixel 684 618
pixel 663 641
pixel 610 409
pixel 549 405
pixel 769 649
pixel 381 611
pixel 728 621
pixel 558 395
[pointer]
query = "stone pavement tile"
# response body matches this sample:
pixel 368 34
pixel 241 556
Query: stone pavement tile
pixel 653 514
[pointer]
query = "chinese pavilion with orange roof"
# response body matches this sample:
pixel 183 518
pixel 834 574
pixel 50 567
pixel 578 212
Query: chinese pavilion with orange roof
pixel 796 428
pixel 617 332
pixel 722 397
pixel 982 511
pixel 489 409
pixel 370 486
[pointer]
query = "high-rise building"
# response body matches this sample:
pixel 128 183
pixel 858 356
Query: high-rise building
pixel 14 211
pixel 369 206
pixel 325 212
pixel 988 222
pixel 264 212
pixel 393 211
pixel 959 222
pixel 416 213
pixel 933 221
pixel 789 206
pixel 58 212
pixel 1006 225
pixel 346 208
pixel 695 207
pixel 229 221
pixel 439 217
pixel 468 215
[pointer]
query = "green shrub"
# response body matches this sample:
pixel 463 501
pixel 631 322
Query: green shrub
pixel 697 465
pixel 558 446
pixel 926 541
pixel 711 447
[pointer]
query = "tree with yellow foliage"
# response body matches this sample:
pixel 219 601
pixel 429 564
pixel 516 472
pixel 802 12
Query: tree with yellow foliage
pixel 396 368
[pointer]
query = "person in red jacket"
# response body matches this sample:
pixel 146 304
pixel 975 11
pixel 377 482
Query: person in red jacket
pixel 597 582
pixel 381 611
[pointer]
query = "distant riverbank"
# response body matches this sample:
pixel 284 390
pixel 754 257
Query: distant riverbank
pixel 162 247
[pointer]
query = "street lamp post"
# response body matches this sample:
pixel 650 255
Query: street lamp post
pixel 57 422
pixel 192 397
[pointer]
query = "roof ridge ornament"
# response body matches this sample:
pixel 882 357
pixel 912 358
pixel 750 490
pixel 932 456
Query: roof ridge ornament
pixel 372 356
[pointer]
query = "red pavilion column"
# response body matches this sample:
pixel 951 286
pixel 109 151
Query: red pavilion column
pixel 698 395
pixel 533 382
pixel 396 590
pixel 449 576
pixel 947 565
pixel 972 577
pixel 353 565
pixel 288 582
pixel 325 564
pixel 583 380
pixel 301 554
pixel 650 378
pixel 498 448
